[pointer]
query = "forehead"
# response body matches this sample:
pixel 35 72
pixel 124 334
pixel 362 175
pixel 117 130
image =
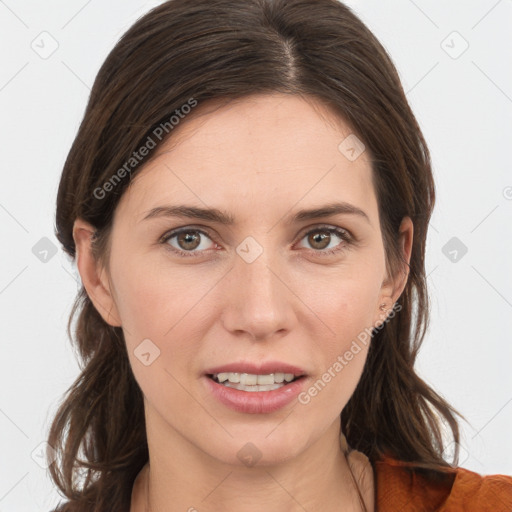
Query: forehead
pixel 258 154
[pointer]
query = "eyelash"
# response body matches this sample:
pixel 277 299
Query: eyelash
pixel 343 234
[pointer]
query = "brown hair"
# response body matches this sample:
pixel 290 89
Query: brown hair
pixel 222 50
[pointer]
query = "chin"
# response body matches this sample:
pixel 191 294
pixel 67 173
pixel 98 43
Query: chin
pixel 260 449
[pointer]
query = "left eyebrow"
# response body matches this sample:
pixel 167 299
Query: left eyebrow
pixel 328 211
pixel 222 217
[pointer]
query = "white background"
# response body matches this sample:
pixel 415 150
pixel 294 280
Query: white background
pixel 464 106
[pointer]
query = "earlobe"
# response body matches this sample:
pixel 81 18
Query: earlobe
pixel 94 276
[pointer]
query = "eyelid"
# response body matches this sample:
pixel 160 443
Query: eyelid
pixel 177 231
pixel 343 233
pixel 327 227
pixel 184 229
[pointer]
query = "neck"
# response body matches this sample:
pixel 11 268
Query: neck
pixel 179 477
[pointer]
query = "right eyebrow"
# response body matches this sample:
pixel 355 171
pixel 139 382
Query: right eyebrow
pixel 191 212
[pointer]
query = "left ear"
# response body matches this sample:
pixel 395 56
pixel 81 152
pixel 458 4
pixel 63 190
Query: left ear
pixel 394 285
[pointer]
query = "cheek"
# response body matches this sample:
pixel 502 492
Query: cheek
pixel 348 308
pixel 164 307
pixel 342 357
pixel 157 317
pixel 348 304
pixel 151 298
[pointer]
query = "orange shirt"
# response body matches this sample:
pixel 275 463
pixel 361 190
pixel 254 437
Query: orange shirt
pixel 464 491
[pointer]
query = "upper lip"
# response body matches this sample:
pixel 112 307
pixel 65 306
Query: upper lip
pixel 262 368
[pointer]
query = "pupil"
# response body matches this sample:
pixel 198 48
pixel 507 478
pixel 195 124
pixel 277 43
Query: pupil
pixel 319 238
pixel 187 239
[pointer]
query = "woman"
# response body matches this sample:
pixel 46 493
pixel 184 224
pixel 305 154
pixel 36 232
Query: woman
pixel 247 200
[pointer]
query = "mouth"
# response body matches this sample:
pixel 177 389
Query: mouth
pixel 254 382
pixel 255 388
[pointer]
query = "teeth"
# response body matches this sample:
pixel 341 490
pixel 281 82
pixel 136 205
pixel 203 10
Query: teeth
pixel 234 377
pixel 258 387
pixel 266 379
pixel 249 379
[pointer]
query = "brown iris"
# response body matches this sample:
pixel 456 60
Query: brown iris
pixel 189 239
pixel 319 237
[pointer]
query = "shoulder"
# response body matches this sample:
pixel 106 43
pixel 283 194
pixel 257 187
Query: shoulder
pixel 477 492
pixel 400 486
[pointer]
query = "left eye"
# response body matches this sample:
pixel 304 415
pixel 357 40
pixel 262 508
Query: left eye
pixel 188 240
pixel 320 239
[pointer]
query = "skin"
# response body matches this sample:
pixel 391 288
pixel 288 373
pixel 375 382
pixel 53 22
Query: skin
pixel 261 159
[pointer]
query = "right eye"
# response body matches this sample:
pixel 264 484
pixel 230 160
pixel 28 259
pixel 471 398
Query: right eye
pixel 186 241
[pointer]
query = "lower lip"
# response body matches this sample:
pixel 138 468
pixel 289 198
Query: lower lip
pixel 255 402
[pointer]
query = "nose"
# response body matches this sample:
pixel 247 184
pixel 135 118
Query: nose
pixel 259 303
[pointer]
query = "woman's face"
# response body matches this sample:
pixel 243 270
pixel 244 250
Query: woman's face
pixel 276 291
